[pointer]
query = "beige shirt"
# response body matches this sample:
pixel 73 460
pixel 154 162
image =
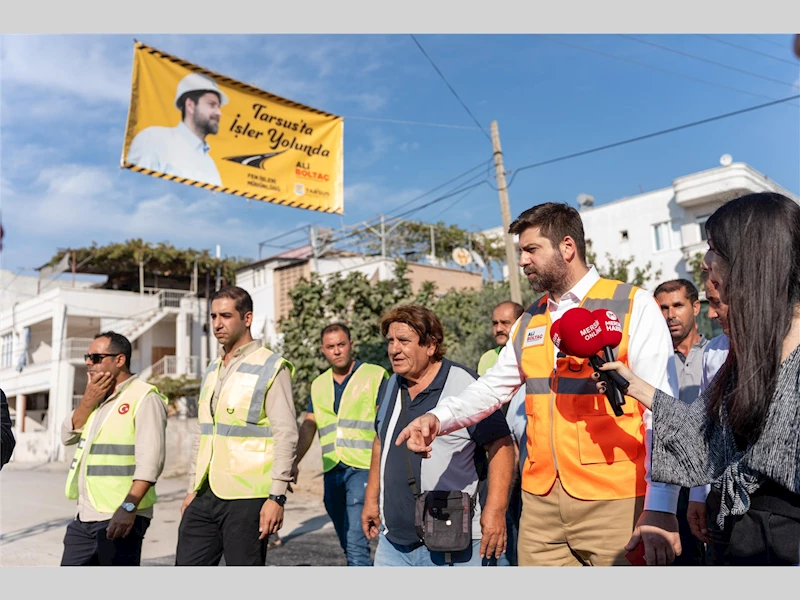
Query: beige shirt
pixel 281 413
pixel 150 442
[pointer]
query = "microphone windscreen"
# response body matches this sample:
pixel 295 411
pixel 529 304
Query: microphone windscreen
pixel 581 332
pixel 555 335
pixel 612 328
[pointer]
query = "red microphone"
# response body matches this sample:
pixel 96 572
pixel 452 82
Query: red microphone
pixel 555 336
pixel 584 333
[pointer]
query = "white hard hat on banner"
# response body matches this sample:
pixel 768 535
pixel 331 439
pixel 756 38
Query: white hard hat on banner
pixel 195 82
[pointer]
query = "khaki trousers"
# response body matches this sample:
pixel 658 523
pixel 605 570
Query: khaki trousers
pixel 559 530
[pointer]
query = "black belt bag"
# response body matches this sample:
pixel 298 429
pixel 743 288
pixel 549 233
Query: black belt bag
pixel 443 519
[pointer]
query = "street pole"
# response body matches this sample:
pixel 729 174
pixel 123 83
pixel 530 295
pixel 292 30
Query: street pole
pixel 505 214
pixel 219 270
pixel 312 233
pixel 383 236
pixel 141 276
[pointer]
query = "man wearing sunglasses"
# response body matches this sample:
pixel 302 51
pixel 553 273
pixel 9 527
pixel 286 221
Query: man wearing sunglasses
pixel 120 429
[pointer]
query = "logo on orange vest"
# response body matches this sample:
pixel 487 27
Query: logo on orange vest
pixel 124 408
pixel 535 336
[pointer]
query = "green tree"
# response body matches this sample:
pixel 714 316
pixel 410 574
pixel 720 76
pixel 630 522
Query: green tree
pixel 175 387
pixel 466 316
pixel 694 266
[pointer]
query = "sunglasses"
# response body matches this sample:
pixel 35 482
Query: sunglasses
pixel 98 357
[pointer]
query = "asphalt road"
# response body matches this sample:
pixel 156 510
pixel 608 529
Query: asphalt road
pixel 34 514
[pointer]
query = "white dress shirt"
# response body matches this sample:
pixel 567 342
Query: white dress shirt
pixel 714 356
pixel 649 356
pixel 175 151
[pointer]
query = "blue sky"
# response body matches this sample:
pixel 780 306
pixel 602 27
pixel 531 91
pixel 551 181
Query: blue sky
pixel 64 102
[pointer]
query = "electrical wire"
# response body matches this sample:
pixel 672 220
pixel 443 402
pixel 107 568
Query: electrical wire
pixel 469 112
pixel 453 204
pixel 649 66
pixel 746 49
pixel 446 183
pixel 650 135
pixel 766 39
pixel 413 123
pixel 705 60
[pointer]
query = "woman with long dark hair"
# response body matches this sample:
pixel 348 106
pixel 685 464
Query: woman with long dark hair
pixel 743 434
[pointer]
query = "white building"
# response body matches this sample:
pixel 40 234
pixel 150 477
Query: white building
pixel 269 281
pixel 43 340
pixel 665 227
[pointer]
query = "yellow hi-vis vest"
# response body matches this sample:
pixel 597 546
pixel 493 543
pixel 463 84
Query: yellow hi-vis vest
pixel 572 431
pixel 236 445
pixel 348 436
pixel 109 463
pixel 488 360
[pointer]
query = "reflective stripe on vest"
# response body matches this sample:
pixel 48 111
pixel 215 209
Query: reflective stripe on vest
pixel 108 461
pixel 348 436
pixel 571 428
pixel 236 445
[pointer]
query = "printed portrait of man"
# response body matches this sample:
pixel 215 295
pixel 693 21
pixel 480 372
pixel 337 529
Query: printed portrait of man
pixel 183 150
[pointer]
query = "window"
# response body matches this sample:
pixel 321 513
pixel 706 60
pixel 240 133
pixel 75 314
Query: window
pixel 661 236
pixel 701 221
pixel 6 350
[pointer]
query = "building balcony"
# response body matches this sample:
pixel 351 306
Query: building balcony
pixel 717 186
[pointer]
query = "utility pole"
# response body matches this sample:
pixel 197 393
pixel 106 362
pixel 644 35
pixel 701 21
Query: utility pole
pixel 383 236
pixel 312 233
pixel 219 270
pixel 505 214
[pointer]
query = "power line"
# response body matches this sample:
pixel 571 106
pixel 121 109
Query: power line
pixel 746 49
pixel 446 183
pixel 453 204
pixel 469 112
pixel 705 60
pixel 649 66
pixel 413 123
pixel 650 135
pixel 766 39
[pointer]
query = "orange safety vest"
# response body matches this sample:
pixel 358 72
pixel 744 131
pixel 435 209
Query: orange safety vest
pixel 572 431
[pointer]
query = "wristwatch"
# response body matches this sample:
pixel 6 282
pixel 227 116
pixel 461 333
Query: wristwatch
pixel 128 507
pixel 281 500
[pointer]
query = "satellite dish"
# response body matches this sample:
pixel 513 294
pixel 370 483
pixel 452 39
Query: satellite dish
pixel 462 257
pixel 725 160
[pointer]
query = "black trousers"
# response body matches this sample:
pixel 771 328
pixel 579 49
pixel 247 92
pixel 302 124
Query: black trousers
pixel 767 534
pixel 212 528
pixel 86 544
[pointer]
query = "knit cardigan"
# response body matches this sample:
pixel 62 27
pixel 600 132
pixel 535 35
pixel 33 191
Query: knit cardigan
pixel 691 449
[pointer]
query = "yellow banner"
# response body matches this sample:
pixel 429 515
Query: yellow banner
pixel 192 126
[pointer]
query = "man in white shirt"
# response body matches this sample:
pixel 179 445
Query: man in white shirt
pixel 182 150
pixel 714 356
pixel 586 485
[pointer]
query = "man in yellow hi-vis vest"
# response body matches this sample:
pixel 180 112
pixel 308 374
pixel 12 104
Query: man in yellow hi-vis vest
pixel 245 445
pixel 120 429
pixel 504 315
pixel 587 495
pixel 342 408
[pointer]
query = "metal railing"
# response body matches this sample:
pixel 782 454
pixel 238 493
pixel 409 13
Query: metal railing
pixel 171 298
pixel 75 348
pixel 171 366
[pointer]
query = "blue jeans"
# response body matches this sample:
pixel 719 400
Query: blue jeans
pixel 390 554
pixel 344 501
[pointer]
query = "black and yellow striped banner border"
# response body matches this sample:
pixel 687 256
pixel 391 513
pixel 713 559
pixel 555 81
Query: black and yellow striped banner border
pixel 217 188
pixel 232 82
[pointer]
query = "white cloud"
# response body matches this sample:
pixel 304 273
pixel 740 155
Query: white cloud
pixel 76 65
